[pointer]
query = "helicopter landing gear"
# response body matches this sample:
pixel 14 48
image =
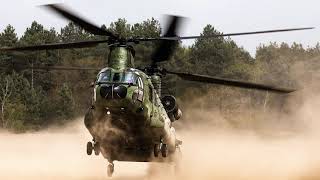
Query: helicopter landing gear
pixel 93 147
pixel 110 169
pixel 156 150
pixel 164 150
pixel 161 148
pixel 96 148
pixel 89 148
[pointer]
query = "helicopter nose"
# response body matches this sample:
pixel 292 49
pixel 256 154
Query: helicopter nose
pixel 113 92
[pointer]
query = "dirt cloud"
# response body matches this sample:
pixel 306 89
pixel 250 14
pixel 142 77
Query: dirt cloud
pixel 207 153
pixel 210 151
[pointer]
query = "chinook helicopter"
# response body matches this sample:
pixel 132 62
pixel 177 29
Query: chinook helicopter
pixel 129 119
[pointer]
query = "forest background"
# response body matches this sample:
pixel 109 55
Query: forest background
pixel 31 100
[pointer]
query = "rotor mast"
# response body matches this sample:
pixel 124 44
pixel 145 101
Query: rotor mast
pixel 121 57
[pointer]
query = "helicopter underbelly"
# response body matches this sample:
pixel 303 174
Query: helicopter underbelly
pixel 124 137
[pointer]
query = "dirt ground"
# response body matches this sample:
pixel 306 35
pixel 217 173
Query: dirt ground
pixel 60 154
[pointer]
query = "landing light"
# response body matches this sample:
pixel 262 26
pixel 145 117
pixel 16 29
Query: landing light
pixel 108 112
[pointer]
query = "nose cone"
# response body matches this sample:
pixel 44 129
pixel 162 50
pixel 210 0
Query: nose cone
pixel 113 91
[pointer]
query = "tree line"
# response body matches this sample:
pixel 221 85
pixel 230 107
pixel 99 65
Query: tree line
pixel 32 100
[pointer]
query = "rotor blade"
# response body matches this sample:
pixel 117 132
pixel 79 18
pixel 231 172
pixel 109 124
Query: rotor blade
pixel 59 9
pixel 176 38
pixel 80 44
pixel 65 68
pixel 54 68
pixel 166 48
pixel 229 82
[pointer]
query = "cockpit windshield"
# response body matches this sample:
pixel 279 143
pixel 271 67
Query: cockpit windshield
pixel 128 77
pixel 104 76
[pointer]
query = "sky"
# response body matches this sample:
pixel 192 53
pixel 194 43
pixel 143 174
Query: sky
pixel 227 16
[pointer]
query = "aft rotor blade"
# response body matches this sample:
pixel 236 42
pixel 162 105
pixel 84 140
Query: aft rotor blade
pixel 165 48
pixel 80 44
pixel 224 35
pixel 64 12
pixel 229 82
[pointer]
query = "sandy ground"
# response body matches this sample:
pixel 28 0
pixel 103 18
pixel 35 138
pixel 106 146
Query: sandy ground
pixel 208 153
pixel 60 154
pixel 56 154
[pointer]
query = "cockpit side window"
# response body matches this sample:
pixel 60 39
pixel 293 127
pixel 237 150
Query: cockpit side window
pixel 139 82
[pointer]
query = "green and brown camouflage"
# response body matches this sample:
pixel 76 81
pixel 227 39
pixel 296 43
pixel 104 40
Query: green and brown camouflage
pixel 129 120
pixel 129 100
pixel 120 57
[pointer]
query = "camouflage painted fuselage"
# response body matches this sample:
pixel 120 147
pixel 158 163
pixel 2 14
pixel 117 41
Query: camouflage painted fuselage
pixel 127 117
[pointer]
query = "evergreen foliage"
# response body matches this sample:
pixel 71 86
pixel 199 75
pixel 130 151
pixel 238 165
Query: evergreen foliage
pixel 31 100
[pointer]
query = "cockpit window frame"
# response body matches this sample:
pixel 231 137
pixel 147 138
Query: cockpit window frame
pixel 139 82
pixel 126 77
pixel 100 76
pixel 132 77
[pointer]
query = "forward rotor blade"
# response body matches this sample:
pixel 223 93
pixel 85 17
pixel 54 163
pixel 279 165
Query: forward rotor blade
pixel 80 44
pixel 59 9
pixel 64 68
pixel 224 35
pixel 229 82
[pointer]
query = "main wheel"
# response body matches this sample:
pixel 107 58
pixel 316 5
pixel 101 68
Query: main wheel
pixel 156 150
pixel 110 170
pixel 164 150
pixel 96 148
pixel 89 148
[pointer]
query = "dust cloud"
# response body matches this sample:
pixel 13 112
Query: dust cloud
pixel 56 153
pixel 207 154
pixel 217 152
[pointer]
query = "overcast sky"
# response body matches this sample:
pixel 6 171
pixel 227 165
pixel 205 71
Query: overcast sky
pixel 226 15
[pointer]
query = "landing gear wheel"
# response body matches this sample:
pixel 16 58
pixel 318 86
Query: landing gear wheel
pixel 110 169
pixel 89 148
pixel 96 148
pixel 164 150
pixel 156 150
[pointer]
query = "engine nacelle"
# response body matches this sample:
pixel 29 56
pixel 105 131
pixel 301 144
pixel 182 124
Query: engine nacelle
pixel 170 105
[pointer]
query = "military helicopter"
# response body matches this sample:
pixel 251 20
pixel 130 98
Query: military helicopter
pixel 129 119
